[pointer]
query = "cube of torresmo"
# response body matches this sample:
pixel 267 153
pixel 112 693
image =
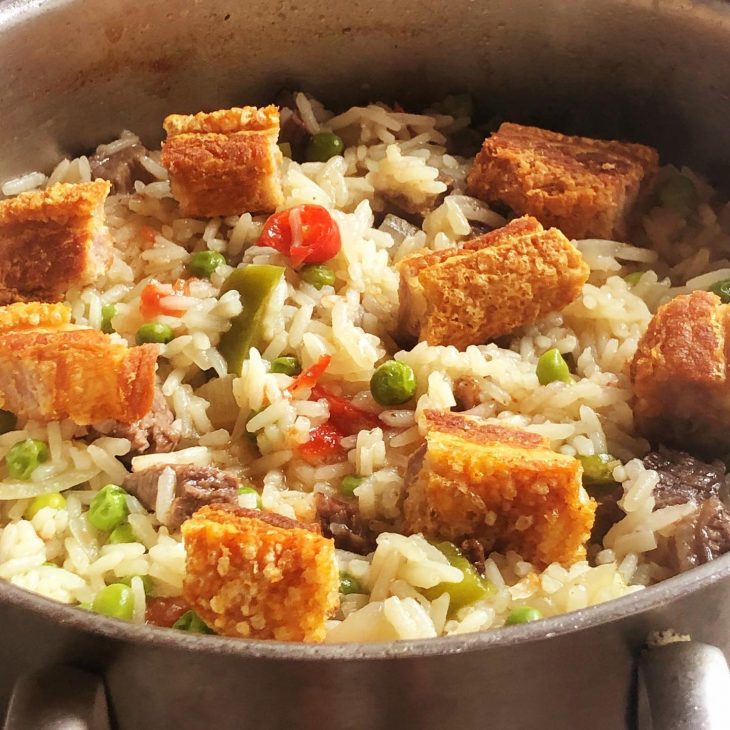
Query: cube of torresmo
pixel 500 485
pixel 259 575
pixel 680 376
pixel 51 372
pixel 34 316
pixel 51 240
pixel 502 280
pixel 224 163
pixel 585 187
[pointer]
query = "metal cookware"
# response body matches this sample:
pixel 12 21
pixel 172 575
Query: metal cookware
pixel 73 74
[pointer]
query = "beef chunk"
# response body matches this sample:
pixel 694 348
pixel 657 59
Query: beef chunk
pixel 121 168
pixel 342 522
pixel 702 536
pixel 475 553
pixel 682 478
pixel 608 513
pixel 467 393
pixel 154 433
pixel 195 486
pixel 165 611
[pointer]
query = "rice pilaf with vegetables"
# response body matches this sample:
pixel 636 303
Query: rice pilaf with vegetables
pixel 365 376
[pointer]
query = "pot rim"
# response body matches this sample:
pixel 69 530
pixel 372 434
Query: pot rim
pixel 656 596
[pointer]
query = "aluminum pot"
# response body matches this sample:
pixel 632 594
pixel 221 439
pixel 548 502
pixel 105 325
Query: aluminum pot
pixel 73 74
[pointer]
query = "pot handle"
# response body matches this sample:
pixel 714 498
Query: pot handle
pixel 58 697
pixel 684 685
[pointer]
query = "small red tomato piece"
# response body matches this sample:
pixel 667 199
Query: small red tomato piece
pixel 308 378
pixel 307 234
pixel 323 444
pixel 347 418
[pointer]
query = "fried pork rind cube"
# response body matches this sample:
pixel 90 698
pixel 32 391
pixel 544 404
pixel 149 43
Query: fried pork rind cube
pixel 51 240
pixel 226 162
pixel 50 371
pixel 585 187
pixel 258 575
pixel 680 376
pixel 500 281
pixel 500 485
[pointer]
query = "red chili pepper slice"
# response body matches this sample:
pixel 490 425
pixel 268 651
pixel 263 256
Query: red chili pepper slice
pixel 344 416
pixel 308 378
pixel 307 234
pixel 324 443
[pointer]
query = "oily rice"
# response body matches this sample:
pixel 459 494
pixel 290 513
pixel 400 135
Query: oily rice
pixel 247 423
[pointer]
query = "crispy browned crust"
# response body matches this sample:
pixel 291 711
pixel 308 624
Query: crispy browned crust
pixel 79 374
pixel 500 485
pixel 585 187
pixel 505 279
pixel 680 375
pixel 34 316
pixel 51 240
pixel 248 577
pixel 226 162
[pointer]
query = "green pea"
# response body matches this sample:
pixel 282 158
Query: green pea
pixel 350 483
pixel 523 615
pixel 190 621
pixel 285 148
pixel 108 508
pixel 147 583
pixel 154 332
pixel 393 383
pixel 318 275
pixel 53 500
pixel 204 263
pixel 473 587
pixel 722 289
pixel 634 278
pixel 8 421
pixel 122 533
pixel 108 312
pixel 678 192
pixel 115 600
pixel 551 367
pixel 349 584
pixel 323 146
pixel 25 457
pixel 248 489
pixel 598 469
pixel 286 365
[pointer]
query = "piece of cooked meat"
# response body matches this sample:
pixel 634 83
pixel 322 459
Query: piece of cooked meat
pixel 24 316
pixel 51 240
pixel 500 281
pixel 195 486
pixel 683 478
pixel 702 536
pixel 224 163
pixel 155 433
pixel 500 485
pixel 585 187
pixel 259 575
pixel 162 611
pixel 120 168
pixel 680 376
pixel 80 374
pixel 467 393
pixel 341 521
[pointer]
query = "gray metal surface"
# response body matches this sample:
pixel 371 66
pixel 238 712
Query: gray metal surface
pixel 73 74
pixel 58 698
pixel 687 686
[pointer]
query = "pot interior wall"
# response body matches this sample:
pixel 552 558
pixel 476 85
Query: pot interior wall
pixel 74 74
